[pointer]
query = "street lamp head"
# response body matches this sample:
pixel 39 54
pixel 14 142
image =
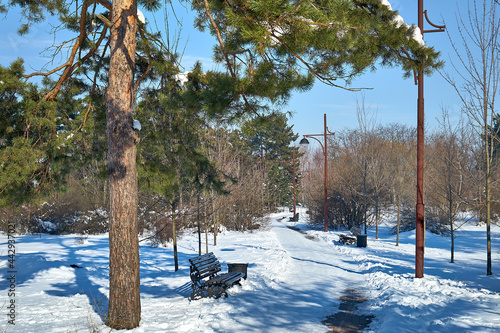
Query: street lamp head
pixel 304 142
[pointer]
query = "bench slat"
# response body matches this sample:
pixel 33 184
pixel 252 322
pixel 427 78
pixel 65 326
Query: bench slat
pixel 203 257
pixel 207 274
pixel 206 265
pixel 200 260
pixel 227 279
pixel 230 280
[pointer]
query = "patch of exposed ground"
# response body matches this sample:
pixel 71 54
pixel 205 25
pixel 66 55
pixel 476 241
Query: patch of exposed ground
pixel 302 232
pixel 346 320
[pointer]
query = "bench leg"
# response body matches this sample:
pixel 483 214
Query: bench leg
pixel 198 292
pixel 217 291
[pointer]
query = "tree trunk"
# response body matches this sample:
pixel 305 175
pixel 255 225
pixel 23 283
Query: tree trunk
pixel 488 200
pixel 124 295
pixel 205 221
pixel 452 235
pixel 377 216
pixel 215 219
pixel 174 235
pixel 199 227
pixel 451 218
pixel 398 221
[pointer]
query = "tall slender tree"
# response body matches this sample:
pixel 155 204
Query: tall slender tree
pixel 124 275
pixel 448 162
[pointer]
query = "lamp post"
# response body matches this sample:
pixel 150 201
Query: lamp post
pixel 293 175
pixel 304 142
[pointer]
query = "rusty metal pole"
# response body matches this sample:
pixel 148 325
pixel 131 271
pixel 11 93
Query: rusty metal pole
pixel 420 223
pixel 326 177
pixel 325 154
pixel 293 175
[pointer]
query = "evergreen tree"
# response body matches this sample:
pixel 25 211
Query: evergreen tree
pixel 283 44
pixel 42 141
pixel 266 140
pixel 494 145
pixel 174 120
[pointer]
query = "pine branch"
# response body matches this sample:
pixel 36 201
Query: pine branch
pixel 69 66
pixel 221 42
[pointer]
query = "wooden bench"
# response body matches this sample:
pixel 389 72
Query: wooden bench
pixel 347 239
pixel 206 280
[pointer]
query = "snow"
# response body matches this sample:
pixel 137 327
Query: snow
pixel 387 4
pixel 399 21
pixel 182 78
pixel 140 17
pixel 295 280
pixel 278 31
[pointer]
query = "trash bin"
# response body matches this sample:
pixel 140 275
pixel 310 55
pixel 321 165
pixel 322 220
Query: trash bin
pixel 238 267
pixel 361 240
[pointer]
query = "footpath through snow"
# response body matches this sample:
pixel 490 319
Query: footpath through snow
pixel 295 281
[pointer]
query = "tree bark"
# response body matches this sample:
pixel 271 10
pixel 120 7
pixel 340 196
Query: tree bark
pixel 487 188
pixel 398 221
pixel 174 234
pixel 124 282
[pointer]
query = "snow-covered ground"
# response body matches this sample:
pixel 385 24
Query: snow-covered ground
pixel 294 282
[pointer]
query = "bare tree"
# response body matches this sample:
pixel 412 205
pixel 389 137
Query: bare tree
pixel 374 159
pixel 366 120
pixel 402 169
pixel 448 163
pixel 478 67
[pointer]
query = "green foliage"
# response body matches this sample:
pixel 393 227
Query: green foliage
pixel 270 48
pixel 35 11
pixel 174 119
pixel 494 138
pixel 40 141
pixel 330 39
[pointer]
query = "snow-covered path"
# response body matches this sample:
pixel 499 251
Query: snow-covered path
pixel 294 283
pixel 316 262
pixel 305 279
pixel 317 271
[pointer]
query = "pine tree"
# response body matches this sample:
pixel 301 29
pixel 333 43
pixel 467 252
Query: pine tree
pixel 42 141
pixel 270 48
pixel 285 43
pixel 175 118
pixel 266 140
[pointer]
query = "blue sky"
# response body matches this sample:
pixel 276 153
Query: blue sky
pixel 391 99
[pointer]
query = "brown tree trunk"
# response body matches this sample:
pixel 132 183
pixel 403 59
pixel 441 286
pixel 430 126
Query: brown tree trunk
pixel 398 221
pixel 487 141
pixel 174 234
pixel 124 296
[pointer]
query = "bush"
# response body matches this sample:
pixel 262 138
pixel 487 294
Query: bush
pixel 433 222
